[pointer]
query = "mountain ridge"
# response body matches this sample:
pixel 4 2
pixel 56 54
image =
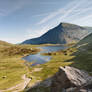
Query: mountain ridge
pixel 61 34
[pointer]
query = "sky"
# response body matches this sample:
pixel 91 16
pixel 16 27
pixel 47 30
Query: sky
pixel 26 19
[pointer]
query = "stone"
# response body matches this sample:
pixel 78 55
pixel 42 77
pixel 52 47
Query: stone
pixel 4 77
pixel 70 77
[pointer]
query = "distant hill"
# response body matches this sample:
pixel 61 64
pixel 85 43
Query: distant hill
pixel 62 34
pixel 4 43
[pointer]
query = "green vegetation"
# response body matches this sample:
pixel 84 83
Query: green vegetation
pixel 51 67
pixel 83 60
pixel 71 56
pixel 12 68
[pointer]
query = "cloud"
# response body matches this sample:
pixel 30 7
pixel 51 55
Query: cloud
pixel 83 19
pixel 9 6
pixel 33 33
pixel 81 12
pixel 40 15
pixel 80 15
pixel 59 11
pixel 75 12
pixel 73 9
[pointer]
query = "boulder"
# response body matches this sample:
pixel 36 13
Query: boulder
pixel 70 78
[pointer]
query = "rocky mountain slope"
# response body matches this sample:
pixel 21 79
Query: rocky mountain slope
pixel 62 34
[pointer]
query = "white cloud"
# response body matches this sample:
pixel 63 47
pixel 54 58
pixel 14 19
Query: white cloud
pixel 59 11
pixel 11 6
pixel 36 33
pixel 84 20
pixel 70 11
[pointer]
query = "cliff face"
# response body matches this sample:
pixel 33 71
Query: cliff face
pixel 62 34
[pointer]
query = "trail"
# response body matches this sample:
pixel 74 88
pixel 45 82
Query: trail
pixel 18 87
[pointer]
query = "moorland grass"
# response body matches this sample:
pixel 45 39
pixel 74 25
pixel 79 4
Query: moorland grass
pixel 12 68
pixel 69 57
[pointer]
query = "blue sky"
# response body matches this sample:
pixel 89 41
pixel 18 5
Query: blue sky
pixel 24 19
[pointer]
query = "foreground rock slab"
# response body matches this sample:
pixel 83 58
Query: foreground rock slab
pixel 69 79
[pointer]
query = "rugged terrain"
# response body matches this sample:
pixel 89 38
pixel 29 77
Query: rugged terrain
pixel 78 56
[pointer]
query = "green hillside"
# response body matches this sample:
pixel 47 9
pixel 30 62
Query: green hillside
pixel 12 67
pixel 79 56
pixel 86 42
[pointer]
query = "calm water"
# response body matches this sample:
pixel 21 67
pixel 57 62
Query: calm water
pixel 40 59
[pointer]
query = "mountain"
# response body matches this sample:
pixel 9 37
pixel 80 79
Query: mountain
pixel 62 34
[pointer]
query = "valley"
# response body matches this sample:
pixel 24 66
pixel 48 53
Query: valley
pixel 39 63
pixel 45 46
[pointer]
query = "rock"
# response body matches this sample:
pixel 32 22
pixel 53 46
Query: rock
pixel 77 90
pixel 72 89
pixel 4 77
pixel 73 78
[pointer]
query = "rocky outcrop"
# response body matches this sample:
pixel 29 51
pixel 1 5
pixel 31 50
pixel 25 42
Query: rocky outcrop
pixel 69 79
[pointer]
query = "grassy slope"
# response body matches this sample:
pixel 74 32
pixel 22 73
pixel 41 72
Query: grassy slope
pixel 11 65
pixel 50 68
pixel 80 56
pixel 83 57
pixel 75 57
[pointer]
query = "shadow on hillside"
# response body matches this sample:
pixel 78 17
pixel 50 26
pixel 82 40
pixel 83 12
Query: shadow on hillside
pixel 43 86
pixel 82 60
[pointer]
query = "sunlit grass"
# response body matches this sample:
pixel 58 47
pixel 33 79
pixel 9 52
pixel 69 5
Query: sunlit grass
pixel 12 68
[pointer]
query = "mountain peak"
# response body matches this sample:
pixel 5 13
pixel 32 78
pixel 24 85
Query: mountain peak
pixel 62 34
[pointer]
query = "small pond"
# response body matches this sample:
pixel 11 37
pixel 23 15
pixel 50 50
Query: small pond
pixel 40 59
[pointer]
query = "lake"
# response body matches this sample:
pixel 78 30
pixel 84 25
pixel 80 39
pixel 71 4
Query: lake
pixel 40 59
